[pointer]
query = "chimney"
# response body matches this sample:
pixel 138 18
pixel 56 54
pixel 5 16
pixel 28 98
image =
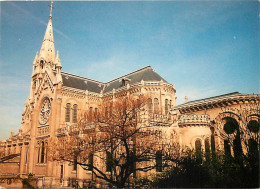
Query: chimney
pixel 186 99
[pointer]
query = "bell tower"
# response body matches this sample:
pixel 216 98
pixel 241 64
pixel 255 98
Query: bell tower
pixel 45 62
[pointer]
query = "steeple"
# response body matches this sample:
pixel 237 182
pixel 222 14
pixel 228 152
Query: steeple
pixel 47 52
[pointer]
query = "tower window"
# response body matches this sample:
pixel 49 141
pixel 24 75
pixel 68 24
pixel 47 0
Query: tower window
pixel 166 106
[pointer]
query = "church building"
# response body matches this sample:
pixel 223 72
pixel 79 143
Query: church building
pixel 56 99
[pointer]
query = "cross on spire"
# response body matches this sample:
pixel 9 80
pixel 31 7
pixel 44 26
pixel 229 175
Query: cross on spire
pixel 51 6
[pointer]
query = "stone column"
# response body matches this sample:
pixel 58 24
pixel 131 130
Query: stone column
pixel 23 157
pixel 32 154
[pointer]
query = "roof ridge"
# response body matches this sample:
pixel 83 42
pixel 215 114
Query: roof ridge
pixel 223 95
pixel 141 69
pixel 100 82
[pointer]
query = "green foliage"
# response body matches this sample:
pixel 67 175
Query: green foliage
pixel 216 172
pixel 29 183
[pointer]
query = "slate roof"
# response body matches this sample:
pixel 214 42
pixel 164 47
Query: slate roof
pixel 82 83
pixel 207 100
pixel 145 74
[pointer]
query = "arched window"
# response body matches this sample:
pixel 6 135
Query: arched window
pixel 198 149
pixel 170 105
pixel 42 152
pixel 158 161
pixel 230 127
pixel 96 113
pixel 39 153
pixel 74 113
pixel 156 106
pixel 26 157
pixel 90 113
pixel 150 104
pixel 67 113
pixel 166 106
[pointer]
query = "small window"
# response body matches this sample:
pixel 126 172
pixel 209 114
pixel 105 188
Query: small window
pixel 67 113
pixel 156 106
pixel 150 104
pixel 198 152
pixel 166 106
pixel 90 113
pixel 42 153
pixel 96 113
pixel 75 112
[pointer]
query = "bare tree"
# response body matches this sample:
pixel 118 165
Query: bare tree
pixel 114 142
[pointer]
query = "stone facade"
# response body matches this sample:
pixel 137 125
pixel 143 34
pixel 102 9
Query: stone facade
pixel 57 98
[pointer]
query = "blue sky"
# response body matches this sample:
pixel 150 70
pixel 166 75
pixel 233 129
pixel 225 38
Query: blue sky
pixel 205 48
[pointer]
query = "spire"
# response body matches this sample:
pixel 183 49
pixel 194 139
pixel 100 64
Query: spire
pixel 47 51
pixel 57 60
pixel 51 8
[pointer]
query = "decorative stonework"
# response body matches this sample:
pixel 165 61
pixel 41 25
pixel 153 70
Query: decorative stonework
pixel 193 120
pixel 43 131
pixel 45 111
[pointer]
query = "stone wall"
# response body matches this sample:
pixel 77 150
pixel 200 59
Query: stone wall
pixel 9 168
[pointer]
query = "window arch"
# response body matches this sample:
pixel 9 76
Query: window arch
pixel 232 127
pixel 156 106
pixel 74 113
pixel 67 113
pixel 166 106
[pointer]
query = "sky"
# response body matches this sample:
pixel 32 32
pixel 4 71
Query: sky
pixel 204 48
